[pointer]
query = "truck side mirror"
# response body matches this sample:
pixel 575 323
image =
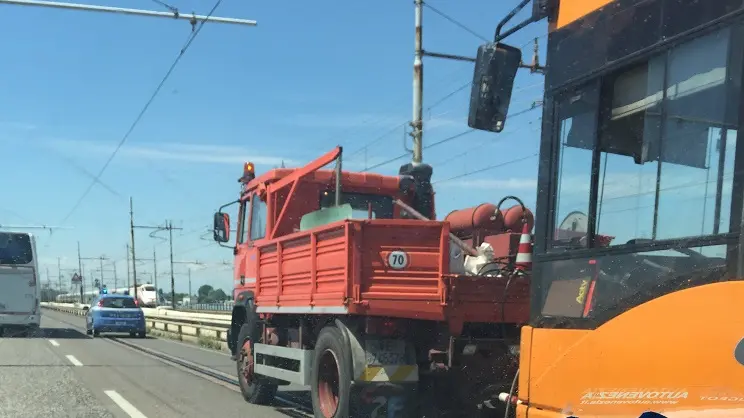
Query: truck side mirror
pixel 493 80
pixel 221 228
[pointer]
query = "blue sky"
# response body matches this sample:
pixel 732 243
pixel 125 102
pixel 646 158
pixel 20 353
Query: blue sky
pixel 310 76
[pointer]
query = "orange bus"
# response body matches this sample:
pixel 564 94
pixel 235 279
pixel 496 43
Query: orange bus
pixel 639 142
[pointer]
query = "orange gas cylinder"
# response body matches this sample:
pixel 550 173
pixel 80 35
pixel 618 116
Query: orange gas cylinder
pixel 514 216
pixel 481 217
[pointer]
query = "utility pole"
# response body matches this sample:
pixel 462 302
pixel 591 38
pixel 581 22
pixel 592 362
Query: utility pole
pixel 168 226
pixel 196 262
pixel 128 272
pixel 82 277
pixel 59 274
pixel 116 279
pixel 155 270
pixel 173 280
pixel 418 67
pixel 417 123
pixel 134 257
pixel 100 258
pixel 173 14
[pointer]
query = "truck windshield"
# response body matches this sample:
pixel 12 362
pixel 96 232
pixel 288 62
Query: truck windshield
pixel 382 206
pixel 15 249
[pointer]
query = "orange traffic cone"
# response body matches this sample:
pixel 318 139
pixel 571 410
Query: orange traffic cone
pixel 524 251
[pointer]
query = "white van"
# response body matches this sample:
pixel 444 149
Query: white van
pixel 20 289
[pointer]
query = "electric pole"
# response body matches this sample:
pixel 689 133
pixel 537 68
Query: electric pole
pixel 173 294
pixel 59 274
pixel 155 275
pixel 100 258
pixel 417 123
pixel 168 226
pixel 418 68
pixel 172 14
pixel 134 257
pixel 128 272
pixel 173 280
pixel 82 277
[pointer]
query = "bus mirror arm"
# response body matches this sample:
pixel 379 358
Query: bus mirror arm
pixel 540 10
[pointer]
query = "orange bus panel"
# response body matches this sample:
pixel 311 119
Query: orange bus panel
pixel 572 10
pixel 674 355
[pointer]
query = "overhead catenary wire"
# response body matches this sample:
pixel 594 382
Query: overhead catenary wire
pixel 173 9
pixel 455 22
pixel 406 122
pixel 142 112
pixel 490 167
pixel 445 140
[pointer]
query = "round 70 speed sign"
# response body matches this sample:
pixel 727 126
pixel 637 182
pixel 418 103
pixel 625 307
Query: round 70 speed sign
pixel 398 259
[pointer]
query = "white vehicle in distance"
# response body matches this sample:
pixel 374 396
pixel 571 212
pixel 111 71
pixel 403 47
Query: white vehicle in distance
pixel 20 290
pixel 147 296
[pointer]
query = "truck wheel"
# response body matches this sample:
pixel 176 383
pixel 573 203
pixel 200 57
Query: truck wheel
pixel 330 382
pixel 255 390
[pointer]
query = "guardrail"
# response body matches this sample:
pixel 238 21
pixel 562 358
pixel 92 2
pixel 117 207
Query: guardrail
pixel 206 307
pixel 205 329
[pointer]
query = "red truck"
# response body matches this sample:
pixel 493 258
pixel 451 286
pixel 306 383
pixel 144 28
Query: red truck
pixel 346 283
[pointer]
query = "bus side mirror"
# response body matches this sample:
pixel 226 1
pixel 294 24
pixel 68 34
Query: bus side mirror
pixel 493 80
pixel 221 228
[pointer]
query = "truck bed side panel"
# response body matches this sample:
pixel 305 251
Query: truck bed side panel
pixel 415 291
pixel 304 269
pixel 420 280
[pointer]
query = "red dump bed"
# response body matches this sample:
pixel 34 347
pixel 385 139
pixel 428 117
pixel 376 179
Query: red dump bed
pixel 343 268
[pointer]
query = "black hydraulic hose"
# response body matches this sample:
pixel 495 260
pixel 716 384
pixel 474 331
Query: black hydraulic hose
pixel 511 393
pixel 503 304
pixel 505 198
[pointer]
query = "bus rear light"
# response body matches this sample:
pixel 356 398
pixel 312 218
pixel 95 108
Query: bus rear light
pixel 32 282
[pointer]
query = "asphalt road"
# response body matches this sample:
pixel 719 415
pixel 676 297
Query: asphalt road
pixel 61 372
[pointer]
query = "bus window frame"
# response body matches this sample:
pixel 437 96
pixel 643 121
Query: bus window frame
pixel 544 252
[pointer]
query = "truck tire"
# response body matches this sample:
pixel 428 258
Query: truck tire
pixel 331 376
pixel 255 390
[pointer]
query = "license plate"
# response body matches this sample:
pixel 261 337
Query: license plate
pixel 120 323
pixel 385 352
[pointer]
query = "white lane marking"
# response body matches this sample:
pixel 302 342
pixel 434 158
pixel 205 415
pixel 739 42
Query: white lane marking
pixel 54 343
pixel 124 404
pixel 73 360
